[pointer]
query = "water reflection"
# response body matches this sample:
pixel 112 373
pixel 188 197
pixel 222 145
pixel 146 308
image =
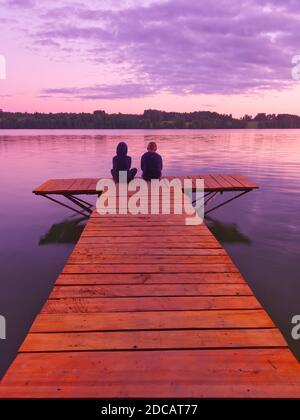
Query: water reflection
pixel 66 232
pixel 227 232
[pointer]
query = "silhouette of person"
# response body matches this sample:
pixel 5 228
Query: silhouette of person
pixel 151 163
pixel 122 162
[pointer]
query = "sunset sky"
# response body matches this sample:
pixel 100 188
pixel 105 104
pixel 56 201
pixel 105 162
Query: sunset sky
pixel 227 56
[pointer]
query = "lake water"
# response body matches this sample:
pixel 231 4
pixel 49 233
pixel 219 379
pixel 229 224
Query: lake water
pixel 261 231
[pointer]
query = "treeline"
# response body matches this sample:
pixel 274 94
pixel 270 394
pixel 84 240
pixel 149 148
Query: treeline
pixel 149 119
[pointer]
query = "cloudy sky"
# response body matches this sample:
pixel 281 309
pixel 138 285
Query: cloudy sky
pixel 127 55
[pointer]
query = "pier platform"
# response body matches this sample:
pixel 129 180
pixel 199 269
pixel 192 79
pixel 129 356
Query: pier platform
pixel 147 306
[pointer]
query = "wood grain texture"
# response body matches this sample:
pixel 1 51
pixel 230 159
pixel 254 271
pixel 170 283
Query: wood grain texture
pixel 137 290
pixel 163 320
pixel 148 278
pixel 153 303
pixel 147 340
pixel 242 373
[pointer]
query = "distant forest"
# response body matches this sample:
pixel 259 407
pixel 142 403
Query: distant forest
pixel 148 120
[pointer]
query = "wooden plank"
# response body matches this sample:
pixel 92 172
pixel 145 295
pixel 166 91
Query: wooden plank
pixel 89 259
pixel 87 252
pixel 42 188
pixel 233 182
pixel 246 182
pixel 214 184
pixel 225 185
pixel 61 186
pixel 242 373
pixel 141 233
pixel 82 184
pixel 150 340
pixel 150 268
pixel 153 303
pixel 209 183
pixel 151 290
pixel 99 219
pixel 146 230
pixel 140 218
pixel 148 278
pixel 139 224
pixel 167 241
pixel 132 222
pixel 116 218
pixel 170 231
pixel 92 185
pixel 161 320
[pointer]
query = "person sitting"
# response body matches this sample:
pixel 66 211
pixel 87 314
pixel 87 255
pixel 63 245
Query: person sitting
pixel 122 162
pixel 151 163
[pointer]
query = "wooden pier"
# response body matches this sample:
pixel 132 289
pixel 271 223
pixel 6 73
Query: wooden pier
pixel 147 306
pixel 71 189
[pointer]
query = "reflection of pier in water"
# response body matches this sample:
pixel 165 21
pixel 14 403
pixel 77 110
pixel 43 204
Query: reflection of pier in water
pixel 227 232
pixel 69 231
pixel 66 232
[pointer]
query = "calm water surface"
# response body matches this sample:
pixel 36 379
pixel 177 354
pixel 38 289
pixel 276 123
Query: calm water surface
pixel 261 231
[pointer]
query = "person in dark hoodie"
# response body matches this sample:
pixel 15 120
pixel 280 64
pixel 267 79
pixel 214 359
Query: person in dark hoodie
pixel 151 163
pixel 122 162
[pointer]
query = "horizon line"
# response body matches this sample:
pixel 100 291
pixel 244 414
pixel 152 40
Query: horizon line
pixel 148 109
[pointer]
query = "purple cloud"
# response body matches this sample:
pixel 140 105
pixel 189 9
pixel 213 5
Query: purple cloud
pixel 178 46
pixel 47 43
pixel 21 3
pixel 122 91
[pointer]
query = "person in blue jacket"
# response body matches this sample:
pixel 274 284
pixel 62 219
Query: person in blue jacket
pixel 151 163
pixel 122 162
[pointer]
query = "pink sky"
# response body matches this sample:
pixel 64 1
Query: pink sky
pixel 126 56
